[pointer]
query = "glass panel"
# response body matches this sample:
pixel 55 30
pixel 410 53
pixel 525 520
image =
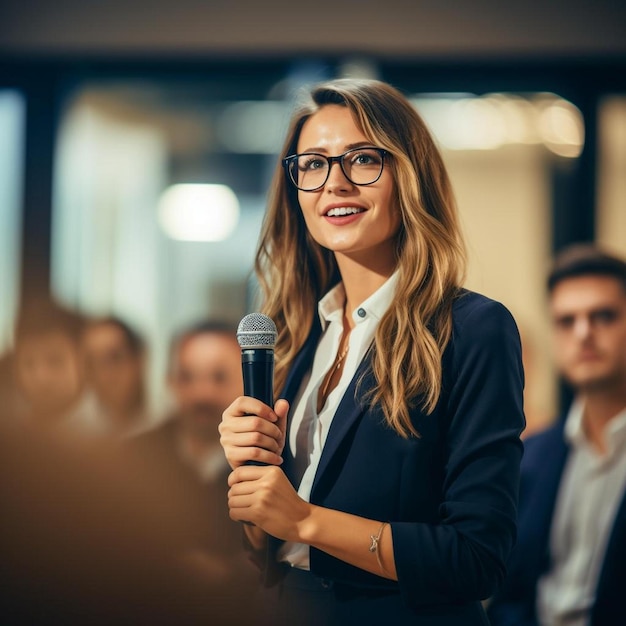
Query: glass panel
pixel 12 108
pixel 611 215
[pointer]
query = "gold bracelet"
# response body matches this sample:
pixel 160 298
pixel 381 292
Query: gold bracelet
pixel 374 547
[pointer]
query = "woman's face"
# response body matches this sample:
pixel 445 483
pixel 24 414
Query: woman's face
pixel 357 221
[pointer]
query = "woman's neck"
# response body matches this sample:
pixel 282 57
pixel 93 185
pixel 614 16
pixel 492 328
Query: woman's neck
pixel 361 280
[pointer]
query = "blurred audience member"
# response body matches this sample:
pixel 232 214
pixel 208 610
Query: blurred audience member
pixel 569 564
pixel 92 535
pixel 49 371
pixel 204 377
pixel 115 366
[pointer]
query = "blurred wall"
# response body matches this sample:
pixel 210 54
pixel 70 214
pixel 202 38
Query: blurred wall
pixel 503 197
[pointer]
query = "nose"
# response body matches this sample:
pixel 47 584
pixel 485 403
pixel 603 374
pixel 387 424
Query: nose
pixel 582 327
pixel 337 180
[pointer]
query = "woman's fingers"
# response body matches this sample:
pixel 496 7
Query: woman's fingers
pixel 250 431
pixel 246 405
pixel 265 497
pixel 239 456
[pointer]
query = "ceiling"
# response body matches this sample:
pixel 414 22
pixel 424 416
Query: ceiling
pixel 422 28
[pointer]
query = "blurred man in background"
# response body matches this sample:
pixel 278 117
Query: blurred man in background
pixel 115 361
pixel 569 564
pixel 204 377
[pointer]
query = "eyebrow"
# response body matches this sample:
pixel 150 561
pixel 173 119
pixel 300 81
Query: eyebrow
pixel 349 146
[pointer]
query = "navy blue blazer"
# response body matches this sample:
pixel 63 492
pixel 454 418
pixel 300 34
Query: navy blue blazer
pixel 542 467
pixel 450 495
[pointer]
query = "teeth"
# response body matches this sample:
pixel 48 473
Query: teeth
pixel 344 210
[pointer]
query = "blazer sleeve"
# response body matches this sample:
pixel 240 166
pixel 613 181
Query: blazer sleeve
pixel 462 556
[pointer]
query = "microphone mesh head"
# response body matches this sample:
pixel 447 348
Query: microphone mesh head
pixel 256 331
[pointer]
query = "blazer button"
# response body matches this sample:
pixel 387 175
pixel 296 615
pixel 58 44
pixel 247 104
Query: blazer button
pixel 326 584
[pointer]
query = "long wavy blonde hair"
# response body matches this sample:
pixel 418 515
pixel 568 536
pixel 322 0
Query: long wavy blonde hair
pixel 295 272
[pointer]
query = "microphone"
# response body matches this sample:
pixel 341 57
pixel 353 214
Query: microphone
pixel 256 334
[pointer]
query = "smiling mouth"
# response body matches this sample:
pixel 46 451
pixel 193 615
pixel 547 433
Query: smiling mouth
pixel 341 211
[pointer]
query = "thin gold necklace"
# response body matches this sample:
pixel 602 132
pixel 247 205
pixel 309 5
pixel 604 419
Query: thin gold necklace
pixel 336 365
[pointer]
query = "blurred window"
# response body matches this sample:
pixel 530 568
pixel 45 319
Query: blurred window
pixel 159 195
pixel 12 110
pixel 611 215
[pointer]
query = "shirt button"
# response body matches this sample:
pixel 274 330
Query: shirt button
pixel 361 313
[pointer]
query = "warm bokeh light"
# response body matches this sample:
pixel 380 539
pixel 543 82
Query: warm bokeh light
pixel 562 128
pixel 467 122
pixel 195 212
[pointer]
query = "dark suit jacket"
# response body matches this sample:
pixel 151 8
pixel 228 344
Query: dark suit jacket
pixel 210 530
pixel 542 467
pixel 450 495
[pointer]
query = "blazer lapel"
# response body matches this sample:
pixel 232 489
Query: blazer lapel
pixel 347 414
pixel 614 550
pixel 302 363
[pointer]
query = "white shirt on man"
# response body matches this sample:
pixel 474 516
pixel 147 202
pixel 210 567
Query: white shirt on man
pixel 591 490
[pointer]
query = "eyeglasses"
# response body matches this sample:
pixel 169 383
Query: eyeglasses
pixel 309 171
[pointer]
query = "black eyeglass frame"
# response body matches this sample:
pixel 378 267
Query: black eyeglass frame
pixel 330 160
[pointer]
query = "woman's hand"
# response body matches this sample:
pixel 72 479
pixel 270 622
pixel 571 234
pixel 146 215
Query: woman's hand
pixel 251 431
pixel 263 496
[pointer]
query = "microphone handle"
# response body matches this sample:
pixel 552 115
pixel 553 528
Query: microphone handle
pixel 258 378
pixel 258 374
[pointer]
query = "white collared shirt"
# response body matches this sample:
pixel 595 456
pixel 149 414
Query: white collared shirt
pixel 589 495
pixel 308 429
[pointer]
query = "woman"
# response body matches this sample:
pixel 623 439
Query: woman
pixel 388 493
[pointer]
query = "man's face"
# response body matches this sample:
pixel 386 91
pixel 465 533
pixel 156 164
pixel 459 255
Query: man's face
pixel 115 371
pixel 49 372
pixel 589 321
pixel 205 379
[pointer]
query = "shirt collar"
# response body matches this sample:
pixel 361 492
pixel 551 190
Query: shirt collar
pixel 615 431
pixel 574 433
pixel 330 307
